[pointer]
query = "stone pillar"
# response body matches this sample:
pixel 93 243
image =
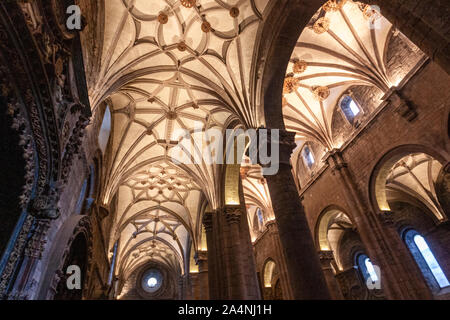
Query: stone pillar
pixel 326 258
pixel 380 239
pixel 282 269
pixel 202 260
pixel 182 295
pixel 408 274
pixel 351 285
pixel 424 22
pixel 237 281
pixel 193 287
pixel 212 263
pixel 252 287
pixel 303 265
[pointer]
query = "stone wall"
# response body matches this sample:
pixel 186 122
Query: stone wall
pixel 427 94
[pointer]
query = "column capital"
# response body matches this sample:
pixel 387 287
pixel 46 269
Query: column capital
pixel 386 218
pixel 208 221
pixel 201 256
pixel 326 255
pixel 232 214
pixel 285 140
pixel 336 160
pixel 326 258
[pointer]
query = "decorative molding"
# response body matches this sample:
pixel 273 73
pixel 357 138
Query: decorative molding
pixel 386 218
pixel 208 222
pixel 335 160
pixel 39 79
pixel 83 227
pixel 232 214
pixel 326 255
pixel 36 244
pixel 286 143
pixel 19 246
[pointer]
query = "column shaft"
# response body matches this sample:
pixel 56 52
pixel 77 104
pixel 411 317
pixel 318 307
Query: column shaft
pixel 237 281
pixel 212 261
pixel 303 265
pixel 382 242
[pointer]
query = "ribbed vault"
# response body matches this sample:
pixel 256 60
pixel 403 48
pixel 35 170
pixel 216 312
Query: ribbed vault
pixel 343 45
pixel 170 71
pixel 415 175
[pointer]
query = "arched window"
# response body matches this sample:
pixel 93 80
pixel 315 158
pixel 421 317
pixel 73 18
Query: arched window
pixel 367 268
pixel 349 108
pixel 371 270
pixel 426 260
pixel 258 220
pixel 260 216
pixel 268 273
pixel 105 130
pixel 308 157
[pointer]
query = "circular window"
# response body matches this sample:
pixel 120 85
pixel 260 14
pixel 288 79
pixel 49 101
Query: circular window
pixel 152 280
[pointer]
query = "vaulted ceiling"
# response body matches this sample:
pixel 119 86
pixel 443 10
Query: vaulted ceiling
pixel 342 46
pixel 415 176
pixel 170 67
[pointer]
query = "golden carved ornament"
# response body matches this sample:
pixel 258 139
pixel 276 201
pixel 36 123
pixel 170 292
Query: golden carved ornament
pixel 321 93
pixel 333 5
pixel 290 84
pixel 370 12
pixel 171 115
pixel 234 12
pixel 163 18
pixel 206 26
pixel 188 3
pixel 299 66
pixel 322 25
pixel 182 46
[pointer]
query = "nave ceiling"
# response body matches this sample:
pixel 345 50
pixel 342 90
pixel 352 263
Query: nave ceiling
pixel 167 68
pixel 171 67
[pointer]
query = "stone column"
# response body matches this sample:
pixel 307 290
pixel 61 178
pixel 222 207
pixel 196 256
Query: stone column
pixel 237 281
pixel 326 258
pixel 202 260
pixel 252 288
pixel 303 265
pixel 273 230
pixel 212 263
pixel 407 273
pixel 181 287
pixel 380 239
